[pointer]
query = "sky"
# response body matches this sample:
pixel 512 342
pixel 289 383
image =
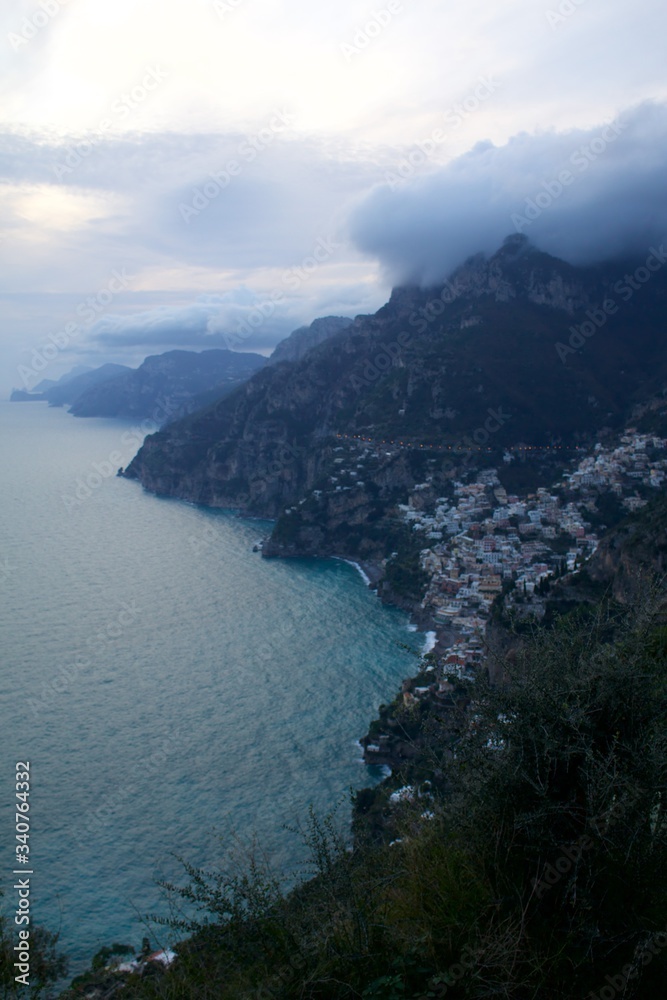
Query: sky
pixel 218 173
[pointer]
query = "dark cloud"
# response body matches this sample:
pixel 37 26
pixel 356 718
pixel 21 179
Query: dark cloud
pixel 211 321
pixel 584 196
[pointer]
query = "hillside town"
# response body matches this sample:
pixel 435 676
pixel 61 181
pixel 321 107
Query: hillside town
pixel 481 541
pixel 487 542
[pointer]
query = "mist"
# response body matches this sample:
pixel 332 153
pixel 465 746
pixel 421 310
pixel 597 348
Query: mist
pixel 582 195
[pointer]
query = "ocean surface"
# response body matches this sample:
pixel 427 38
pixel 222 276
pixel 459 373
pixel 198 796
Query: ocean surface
pixel 174 693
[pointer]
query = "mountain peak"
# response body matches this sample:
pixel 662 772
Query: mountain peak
pixel 517 270
pixel 515 244
pixel 299 342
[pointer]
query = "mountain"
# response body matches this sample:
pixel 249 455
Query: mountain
pixel 297 345
pixel 167 385
pixel 21 396
pixel 516 351
pixel 38 393
pixel 635 550
pixel 66 392
pixel 49 383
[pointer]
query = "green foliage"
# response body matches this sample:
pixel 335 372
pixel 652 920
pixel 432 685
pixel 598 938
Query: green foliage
pixel 385 988
pixel 104 955
pixel 534 868
pixel 564 781
pixel 286 530
pixel 47 964
pixel 404 575
pixel 609 512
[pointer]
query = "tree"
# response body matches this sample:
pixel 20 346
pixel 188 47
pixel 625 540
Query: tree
pixel 560 794
pixel 533 867
pixel 47 965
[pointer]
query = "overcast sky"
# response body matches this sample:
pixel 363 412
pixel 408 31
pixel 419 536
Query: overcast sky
pixel 220 172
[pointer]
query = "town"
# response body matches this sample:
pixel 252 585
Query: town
pixel 481 542
pixel 489 542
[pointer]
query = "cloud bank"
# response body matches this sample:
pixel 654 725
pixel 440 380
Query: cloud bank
pixel 238 320
pixel 585 196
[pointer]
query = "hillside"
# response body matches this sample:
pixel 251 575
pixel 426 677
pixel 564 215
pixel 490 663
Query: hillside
pixel 66 392
pixel 39 392
pixel 299 342
pixel 166 385
pixel 635 550
pixel 67 389
pixel 526 860
pixel 435 378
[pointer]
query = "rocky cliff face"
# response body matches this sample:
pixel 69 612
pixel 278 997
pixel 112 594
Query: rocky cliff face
pixel 633 553
pixel 329 444
pixel 296 346
pixel 67 391
pixel 39 392
pixel 21 396
pixel 517 271
pixel 167 385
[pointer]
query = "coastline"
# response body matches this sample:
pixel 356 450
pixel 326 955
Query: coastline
pixel 371 574
pixel 359 568
pixel 430 642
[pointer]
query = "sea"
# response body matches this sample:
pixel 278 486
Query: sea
pixel 178 698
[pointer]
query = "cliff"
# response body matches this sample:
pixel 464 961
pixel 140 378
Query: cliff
pixel 21 396
pixel 66 392
pixel 168 385
pixel 296 346
pixel 329 444
pixel 633 552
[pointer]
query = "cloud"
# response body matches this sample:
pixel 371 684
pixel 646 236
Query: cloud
pixel 236 201
pixel 211 321
pixel 583 195
pixel 196 276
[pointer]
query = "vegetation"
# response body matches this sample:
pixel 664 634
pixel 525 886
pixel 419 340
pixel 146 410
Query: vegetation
pixel 404 576
pixel 536 868
pixel 609 512
pixel 47 965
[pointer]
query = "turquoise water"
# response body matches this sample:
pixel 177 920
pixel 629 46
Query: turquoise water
pixel 171 689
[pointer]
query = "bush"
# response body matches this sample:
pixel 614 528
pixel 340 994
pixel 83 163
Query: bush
pixel 537 871
pixel 47 964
